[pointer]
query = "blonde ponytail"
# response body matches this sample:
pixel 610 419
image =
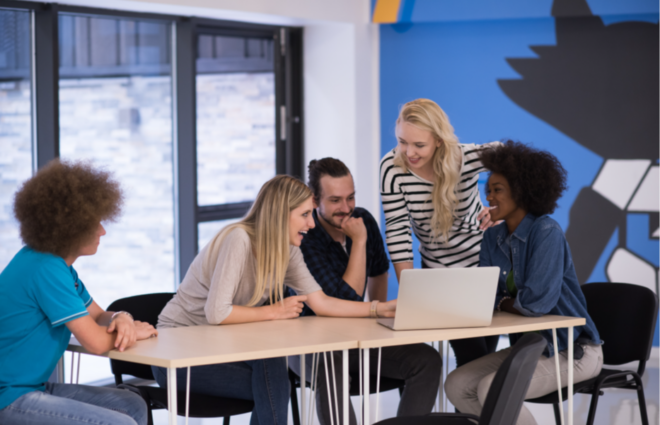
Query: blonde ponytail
pixel 425 114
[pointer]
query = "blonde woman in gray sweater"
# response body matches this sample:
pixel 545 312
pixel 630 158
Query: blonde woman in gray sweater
pixel 239 277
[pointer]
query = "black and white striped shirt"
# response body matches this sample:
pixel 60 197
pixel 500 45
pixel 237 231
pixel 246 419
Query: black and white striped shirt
pixel 407 203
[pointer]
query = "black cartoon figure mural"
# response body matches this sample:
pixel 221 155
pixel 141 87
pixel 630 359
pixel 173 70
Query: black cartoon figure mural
pixel 599 86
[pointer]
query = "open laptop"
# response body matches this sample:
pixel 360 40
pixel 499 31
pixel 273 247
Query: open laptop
pixel 445 298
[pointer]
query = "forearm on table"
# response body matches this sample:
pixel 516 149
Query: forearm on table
pixel 100 316
pixel 355 274
pixel 399 267
pixel 104 318
pixel 324 305
pixel 94 338
pixel 507 305
pixel 377 287
pixel 531 308
pixel 102 343
pixel 241 314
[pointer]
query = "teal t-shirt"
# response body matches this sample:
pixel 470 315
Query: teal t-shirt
pixel 39 293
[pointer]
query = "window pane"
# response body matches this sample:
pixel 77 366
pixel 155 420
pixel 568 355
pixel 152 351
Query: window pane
pixel 208 229
pixel 123 123
pixel 235 118
pixel 115 110
pixel 15 122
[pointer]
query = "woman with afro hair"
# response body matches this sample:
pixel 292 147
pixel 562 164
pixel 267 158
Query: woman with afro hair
pixel 537 275
pixel 43 301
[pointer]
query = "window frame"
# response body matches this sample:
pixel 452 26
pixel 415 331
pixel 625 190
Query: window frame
pixel 288 97
pixel 187 214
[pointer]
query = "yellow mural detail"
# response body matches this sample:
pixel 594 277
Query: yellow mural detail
pixel 386 11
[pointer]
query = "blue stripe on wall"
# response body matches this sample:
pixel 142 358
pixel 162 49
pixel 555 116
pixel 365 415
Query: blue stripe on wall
pixel 466 10
pixel 418 11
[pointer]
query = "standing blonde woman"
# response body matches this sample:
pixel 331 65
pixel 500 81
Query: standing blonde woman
pixel 429 183
pixel 239 277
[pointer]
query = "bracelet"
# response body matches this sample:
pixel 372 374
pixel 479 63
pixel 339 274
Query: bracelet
pixel 116 313
pixel 373 313
pixel 499 304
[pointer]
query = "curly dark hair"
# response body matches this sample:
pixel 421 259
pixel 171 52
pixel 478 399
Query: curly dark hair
pixel 60 208
pixel 537 178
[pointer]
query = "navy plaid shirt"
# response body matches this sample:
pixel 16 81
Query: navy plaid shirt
pixel 327 260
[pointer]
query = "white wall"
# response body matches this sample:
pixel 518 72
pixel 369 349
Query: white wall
pixel 340 72
pixel 341 102
pixel 367 101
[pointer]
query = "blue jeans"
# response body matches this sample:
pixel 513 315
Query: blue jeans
pixel 64 404
pixel 266 382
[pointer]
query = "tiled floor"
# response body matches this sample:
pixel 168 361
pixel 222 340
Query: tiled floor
pixel 616 407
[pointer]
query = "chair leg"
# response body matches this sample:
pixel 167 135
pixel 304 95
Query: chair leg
pixel 592 407
pixel 295 410
pixel 225 420
pixel 642 400
pixel 150 416
pixel 555 408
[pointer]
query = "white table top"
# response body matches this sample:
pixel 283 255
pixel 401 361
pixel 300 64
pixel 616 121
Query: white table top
pixel 202 345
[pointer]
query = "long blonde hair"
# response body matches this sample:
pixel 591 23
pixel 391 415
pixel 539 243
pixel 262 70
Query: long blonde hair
pixel 267 224
pixel 426 115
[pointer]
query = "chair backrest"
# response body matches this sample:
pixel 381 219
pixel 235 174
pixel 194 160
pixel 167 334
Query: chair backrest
pixel 509 387
pixel 144 308
pixel 625 316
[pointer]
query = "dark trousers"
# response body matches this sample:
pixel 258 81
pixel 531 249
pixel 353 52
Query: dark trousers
pixel 469 349
pixel 419 365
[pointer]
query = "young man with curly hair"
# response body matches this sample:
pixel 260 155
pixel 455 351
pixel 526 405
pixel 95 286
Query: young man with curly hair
pixel 43 301
pixel 537 275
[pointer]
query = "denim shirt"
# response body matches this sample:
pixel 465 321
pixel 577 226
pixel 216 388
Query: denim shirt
pixel 543 272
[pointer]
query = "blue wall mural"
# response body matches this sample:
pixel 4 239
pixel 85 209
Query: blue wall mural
pixel 576 78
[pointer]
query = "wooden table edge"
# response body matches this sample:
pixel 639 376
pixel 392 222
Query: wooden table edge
pixel 415 336
pixel 214 359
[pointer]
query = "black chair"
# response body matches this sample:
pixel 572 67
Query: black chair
pixel 146 308
pixel 625 316
pixel 386 384
pixel 506 395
